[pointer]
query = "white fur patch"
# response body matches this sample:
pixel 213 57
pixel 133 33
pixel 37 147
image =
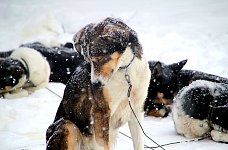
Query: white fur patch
pixel 117 87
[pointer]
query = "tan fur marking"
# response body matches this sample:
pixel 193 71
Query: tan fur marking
pixel 74 136
pixel 163 100
pixel 106 95
pixel 108 67
pixel 155 113
pixel 7 88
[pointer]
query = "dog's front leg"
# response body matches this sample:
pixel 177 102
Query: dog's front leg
pixel 37 87
pixel 136 131
pixel 219 136
pixel 18 93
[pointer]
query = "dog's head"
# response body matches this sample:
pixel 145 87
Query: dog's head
pixel 164 78
pixel 163 84
pixel 12 72
pixel 104 44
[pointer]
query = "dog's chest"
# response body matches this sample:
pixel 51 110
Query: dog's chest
pixel 118 101
pixel 117 90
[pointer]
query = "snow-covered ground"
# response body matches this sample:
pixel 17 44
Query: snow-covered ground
pixel 169 30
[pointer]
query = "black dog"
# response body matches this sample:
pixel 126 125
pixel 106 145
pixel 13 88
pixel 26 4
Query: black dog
pixel 202 108
pixel 166 81
pixel 62 59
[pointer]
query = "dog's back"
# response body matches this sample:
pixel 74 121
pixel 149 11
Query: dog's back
pixel 185 77
pixel 62 60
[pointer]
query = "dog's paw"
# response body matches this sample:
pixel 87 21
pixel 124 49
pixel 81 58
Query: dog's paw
pixel 219 136
pixel 16 94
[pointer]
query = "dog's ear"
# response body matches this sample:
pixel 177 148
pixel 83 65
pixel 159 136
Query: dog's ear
pixel 1 60
pixel 81 39
pixel 178 66
pixel 77 41
pixel 157 70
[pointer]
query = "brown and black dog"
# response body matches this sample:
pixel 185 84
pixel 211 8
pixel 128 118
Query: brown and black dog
pixel 96 99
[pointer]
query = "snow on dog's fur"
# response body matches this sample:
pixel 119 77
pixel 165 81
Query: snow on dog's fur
pixel 95 102
pixel 202 108
pixel 23 72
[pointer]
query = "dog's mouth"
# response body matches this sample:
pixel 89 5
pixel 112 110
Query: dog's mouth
pixel 98 79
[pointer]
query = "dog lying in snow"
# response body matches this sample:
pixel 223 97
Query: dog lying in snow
pixel 23 72
pixel 202 108
pixel 95 101
pixel 62 60
pixel 166 81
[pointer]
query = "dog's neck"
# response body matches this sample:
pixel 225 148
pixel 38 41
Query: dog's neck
pixel 26 67
pixel 127 58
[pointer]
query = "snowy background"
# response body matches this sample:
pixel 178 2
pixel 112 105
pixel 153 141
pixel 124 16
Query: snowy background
pixel 169 30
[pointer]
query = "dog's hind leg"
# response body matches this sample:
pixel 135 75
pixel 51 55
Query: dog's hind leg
pixel 63 135
pixel 136 132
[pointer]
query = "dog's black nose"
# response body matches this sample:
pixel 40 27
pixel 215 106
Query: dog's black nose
pixel 97 84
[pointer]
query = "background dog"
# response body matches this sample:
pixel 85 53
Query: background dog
pixel 23 72
pixel 202 108
pixel 166 81
pixel 90 114
pixel 62 59
pixel 163 87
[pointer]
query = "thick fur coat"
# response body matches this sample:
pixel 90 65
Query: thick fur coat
pixel 96 103
pixel 202 108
